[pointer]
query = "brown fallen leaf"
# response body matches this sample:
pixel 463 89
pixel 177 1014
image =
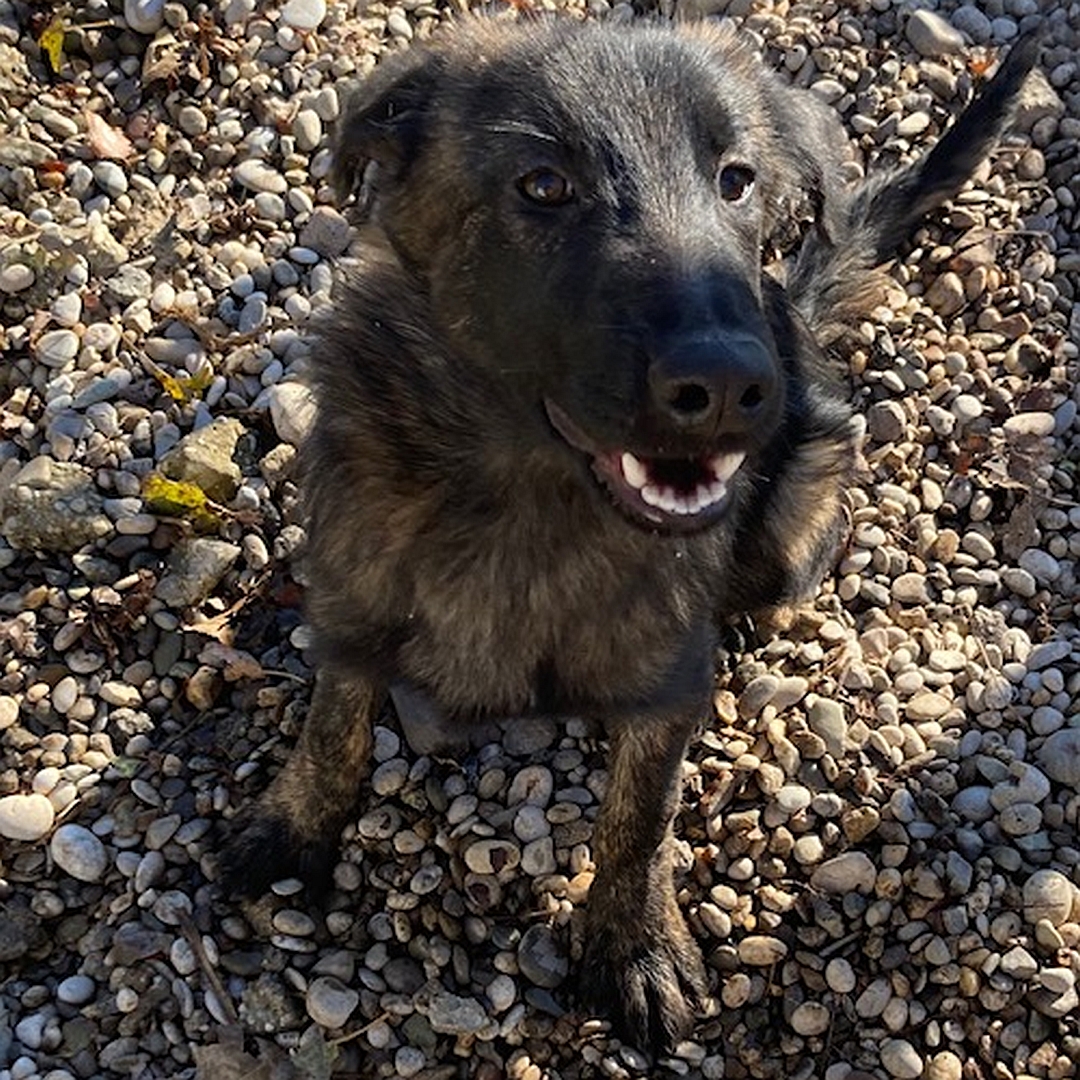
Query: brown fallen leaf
pixel 235 663
pixel 105 140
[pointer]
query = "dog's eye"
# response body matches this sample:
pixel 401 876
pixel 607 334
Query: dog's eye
pixel 735 182
pixel 545 187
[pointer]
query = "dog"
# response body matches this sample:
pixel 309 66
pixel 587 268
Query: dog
pixel 575 414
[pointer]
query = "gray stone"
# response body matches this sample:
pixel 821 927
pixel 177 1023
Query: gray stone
pixel 195 567
pixel 78 852
pixel 826 718
pixel 330 1002
pixel 327 232
pixel 1059 757
pixel 931 35
pixel 541 957
pixel 292 409
pixel 853 871
pixel 144 16
pixel 886 421
pixel 901 1059
pixel 1049 894
pixel 52 506
pixel 449 1014
pixel 972 22
pixel 973 804
pixel 205 458
pixel 16 277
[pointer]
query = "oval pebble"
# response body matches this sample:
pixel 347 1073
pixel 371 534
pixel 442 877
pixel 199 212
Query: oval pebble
pixel 901 1059
pixel 330 1002
pixel 78 852
pixel 761 950
pixel 25 817
pixel 1059 756
pixel 1050 895
pixel 75 990
pixel 811 1018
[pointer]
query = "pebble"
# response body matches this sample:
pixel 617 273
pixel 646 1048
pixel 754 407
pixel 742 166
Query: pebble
pixel 256 175
pixel 25 817
pixel 292 410
pixel 761 950
pixel 330 1002
pixel 75 990
pixel 972 22
pixel 901 1059
pixel 15 277
pixel 304 14
pixel 144 16
pixel 811 1018
pixel 1059 757
pixel 853 871
pixel 78 852
pixel 840 976
pixel 450 1014
pixel 57 348
pixel 541 957
pixel 1048 894
pixel 931 35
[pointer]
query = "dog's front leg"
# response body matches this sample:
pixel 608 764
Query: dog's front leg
pixel 293 829
pixel 641 964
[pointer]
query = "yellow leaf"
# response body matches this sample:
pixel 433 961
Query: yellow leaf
pixel 178 498
pixel 181 388
pixel 52 42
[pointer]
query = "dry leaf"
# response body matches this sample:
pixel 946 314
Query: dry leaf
pixel 181 388
pixel 235 663
pixel 52 43
pixel 105 140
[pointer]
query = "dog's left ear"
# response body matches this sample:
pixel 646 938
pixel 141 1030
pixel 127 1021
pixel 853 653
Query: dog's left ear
pixel 810 149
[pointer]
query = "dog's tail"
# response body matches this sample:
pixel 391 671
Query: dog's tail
pixel 831 282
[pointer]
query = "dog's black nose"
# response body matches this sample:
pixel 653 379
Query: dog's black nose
pixel 714 385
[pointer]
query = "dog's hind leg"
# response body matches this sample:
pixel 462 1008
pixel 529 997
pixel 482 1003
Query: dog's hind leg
pixel 641 965
pixel 293 829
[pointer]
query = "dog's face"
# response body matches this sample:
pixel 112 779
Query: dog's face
pixel 588 211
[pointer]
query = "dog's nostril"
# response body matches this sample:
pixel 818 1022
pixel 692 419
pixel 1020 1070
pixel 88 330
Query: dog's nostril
pixel 751 399
pixel 690 399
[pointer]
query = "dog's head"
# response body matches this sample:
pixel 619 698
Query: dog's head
pixel 588 208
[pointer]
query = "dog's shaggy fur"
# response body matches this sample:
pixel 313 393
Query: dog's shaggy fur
pixel 569 419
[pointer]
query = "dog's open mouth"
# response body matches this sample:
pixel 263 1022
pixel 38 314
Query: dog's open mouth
pixel 667 492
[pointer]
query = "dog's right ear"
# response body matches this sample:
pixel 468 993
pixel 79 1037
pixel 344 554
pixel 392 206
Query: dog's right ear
pixel 384 120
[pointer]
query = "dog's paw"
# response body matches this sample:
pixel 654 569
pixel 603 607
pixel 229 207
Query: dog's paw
pixel 262 847
pixel 649 979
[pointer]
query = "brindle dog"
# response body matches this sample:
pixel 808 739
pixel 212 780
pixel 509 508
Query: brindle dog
pixel 570 419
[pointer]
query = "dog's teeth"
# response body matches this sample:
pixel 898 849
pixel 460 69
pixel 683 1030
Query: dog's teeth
pixel 634 471
pixel 650 493
pixel 725 466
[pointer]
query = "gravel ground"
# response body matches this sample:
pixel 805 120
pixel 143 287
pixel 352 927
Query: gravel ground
pixel 880 830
